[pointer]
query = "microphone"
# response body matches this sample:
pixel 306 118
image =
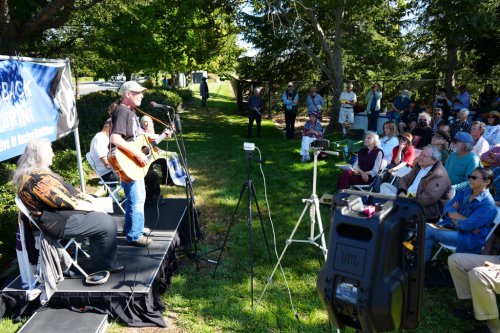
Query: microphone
pixel 160 106
pixel 177 122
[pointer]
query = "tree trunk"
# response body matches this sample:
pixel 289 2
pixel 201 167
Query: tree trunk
pixel 337 70
pixel 451 66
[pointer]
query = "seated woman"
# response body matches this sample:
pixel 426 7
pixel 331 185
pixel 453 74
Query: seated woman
pixel 171 167
pixel 367 164
pixel 441 140
pixel 62 211
pixel 402 155
pixel 312 132
pixel 389 141
pixel 467 218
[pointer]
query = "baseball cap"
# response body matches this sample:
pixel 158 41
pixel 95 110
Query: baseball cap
pixel 463 137
pixel 132 86
pixel 289 84
pixel 314 114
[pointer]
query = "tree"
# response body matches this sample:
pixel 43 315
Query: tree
pixel 23 21
pixel 286 31
pixel 448 26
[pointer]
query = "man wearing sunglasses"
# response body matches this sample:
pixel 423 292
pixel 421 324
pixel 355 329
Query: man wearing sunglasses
pixel 437 119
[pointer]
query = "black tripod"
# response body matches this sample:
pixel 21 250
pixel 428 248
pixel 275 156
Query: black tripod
pixel 249 187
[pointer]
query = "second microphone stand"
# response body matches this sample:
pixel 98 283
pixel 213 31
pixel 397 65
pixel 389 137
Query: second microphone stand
pixel 194 232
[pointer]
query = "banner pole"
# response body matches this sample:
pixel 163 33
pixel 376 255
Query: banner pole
pixel 79 159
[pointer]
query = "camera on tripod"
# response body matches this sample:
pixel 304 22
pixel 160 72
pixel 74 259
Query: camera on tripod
pixel 321 144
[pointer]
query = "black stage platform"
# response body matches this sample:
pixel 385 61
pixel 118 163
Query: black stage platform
pixel 132 295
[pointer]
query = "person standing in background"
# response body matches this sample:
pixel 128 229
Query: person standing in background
pixel 290 100
pixel 347 101
pixel 315 103
pixel 373 107
pixel 204 92
pixel 255 106
pixel 461 100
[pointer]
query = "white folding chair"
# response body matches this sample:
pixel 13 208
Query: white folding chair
pixel 33 279
pixel 113 193
pixel 453 249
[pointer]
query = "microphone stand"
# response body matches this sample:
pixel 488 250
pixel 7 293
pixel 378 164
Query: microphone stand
pixel 193 226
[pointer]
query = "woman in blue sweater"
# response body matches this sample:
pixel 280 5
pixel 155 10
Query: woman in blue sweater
pixel 467 218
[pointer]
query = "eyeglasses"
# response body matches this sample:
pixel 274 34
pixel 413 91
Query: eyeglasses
pixel 438 137
pixel 404 139
pixel 475 177
pixel 437 114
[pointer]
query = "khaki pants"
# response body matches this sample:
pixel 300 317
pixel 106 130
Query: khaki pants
pixel 473 280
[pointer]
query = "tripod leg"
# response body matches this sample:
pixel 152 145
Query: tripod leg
pixel 261 222
pixel 243 188
pixel 249 224
pixel 288 242
pixel 320 227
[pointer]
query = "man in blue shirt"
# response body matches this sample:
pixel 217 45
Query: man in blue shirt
pixel 461 100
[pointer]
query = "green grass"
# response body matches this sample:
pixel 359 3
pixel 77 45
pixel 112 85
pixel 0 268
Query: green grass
pixel 214 141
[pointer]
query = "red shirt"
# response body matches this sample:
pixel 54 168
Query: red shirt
pixel 407 156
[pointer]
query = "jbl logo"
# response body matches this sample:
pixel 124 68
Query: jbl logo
pixel 349 258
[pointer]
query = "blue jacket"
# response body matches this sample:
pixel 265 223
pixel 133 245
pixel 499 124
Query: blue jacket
pixel 317 106
pixel 290 100
pixel 480 213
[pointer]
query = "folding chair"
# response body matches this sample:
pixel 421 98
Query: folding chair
pixel 453 249
pixel 34 279
pixel 350 145
pixel 107 184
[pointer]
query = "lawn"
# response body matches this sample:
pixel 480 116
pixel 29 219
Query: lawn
pixel 214 139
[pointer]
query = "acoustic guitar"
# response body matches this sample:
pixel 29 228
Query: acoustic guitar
pixel 126 165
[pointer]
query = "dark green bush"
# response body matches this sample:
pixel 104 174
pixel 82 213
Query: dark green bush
pixel 8 214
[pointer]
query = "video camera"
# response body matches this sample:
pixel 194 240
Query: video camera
pixel 321 144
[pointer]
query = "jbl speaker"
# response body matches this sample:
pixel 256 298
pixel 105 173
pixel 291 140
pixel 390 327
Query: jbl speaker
pixel 373 277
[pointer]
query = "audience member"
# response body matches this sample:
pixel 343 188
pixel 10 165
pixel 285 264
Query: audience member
pixel 492 132
pixel 442 102
pixel 315 103
pixel 477 277
pixel 461 161
pixel 99 148
pixel 312 132
pixel 460 124
pixel 491 158
pixel 422 134
pixel 480 144
pixel 409 118
pixel 403 154
pixel 400 105
pixel 367 164
pixel 486 98
pixel 373 107
pixel 347 101
pixel 461 100
pixel 467 218
pixel 427 182
pixel 445 127
pixel 389 141
pixel 46 195
pixel 255 107
pixel 290 99
pixel 437 119
pixel 441 140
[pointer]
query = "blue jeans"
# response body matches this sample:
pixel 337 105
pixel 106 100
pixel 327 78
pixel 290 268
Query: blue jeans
pixel 134 209
pixel 433 236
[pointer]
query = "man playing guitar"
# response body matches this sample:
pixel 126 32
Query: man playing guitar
pixel 125 129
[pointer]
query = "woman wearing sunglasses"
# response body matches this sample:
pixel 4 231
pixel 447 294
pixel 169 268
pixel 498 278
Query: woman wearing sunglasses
pixel 467 217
